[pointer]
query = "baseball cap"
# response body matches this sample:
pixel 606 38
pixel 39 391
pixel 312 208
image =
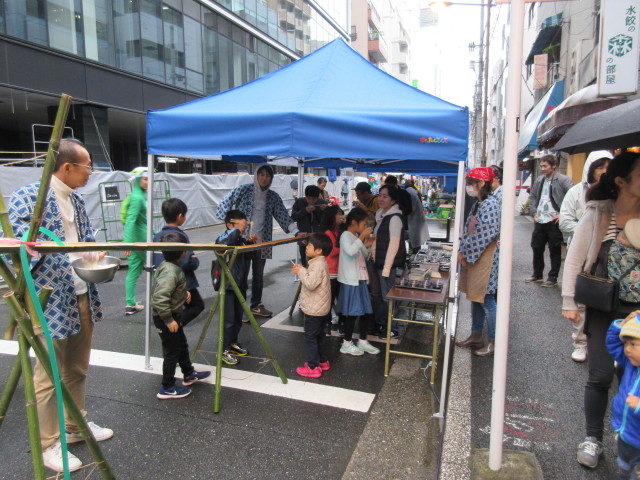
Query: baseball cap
pixel 362 187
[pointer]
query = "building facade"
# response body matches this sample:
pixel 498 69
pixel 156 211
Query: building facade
pixel 120 58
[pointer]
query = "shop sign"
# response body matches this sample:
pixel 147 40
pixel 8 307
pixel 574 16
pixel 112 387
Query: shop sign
pixel 618 60
pixel 540 68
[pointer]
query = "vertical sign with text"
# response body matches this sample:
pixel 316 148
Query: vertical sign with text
pixel 618 65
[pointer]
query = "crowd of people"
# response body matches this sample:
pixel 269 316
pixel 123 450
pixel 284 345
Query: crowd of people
pixel 347 266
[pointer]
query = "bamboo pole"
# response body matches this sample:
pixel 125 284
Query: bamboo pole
pixel 14 376
pixel 205 327
pixel 295 299
pixel 252 319
pixel 218 389
pixel 70 405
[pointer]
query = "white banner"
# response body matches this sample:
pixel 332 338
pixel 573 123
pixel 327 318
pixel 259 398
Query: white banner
pixel 618 65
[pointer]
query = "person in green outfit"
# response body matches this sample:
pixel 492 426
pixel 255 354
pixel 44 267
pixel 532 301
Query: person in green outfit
pixel 135 230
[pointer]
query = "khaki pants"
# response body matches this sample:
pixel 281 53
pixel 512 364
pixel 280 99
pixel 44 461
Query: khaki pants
pixel 72 355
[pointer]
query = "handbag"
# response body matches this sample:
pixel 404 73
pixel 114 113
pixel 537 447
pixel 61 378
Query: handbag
pixel 599 293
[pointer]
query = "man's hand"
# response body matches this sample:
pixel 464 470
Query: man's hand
pixel 461 260
pixel 556 219
pixel 310 208
pixel 573 315
pixel 173 326
pixel 127 253
pixel 188 300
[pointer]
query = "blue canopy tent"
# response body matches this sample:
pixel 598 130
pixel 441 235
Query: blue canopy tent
pixel 331 109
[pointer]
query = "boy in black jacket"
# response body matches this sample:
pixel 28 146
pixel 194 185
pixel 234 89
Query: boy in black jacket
pixel 306 212
pixel 174 212
pixel 236 223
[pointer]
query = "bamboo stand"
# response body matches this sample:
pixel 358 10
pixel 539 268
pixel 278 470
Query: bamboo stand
pixel 22 308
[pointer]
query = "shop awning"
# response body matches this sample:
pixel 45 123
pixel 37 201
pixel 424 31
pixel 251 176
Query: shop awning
pixel 576 106
pixel 547 36
pixel 617 127
pixel 529 131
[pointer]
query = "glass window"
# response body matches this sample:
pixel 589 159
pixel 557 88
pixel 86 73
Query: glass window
pixel 252 69
pixel 152 39
pixel 261 15
pixel 250 11
pixel 126 20
pixel 98 30
pixel 237 7
pixel 239 65
pixel 226 66
pixel 174 54
pixel 193 54
pixel 211 70
pixel 191 8
pixel 27 20
pixel 61 17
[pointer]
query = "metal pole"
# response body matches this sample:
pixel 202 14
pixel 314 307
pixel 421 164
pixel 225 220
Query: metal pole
pixel 483 159
pixel 506 234
pixel 453 294
pixel 149 264
pixel 478 103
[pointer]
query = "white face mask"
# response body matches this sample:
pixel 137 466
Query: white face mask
pixel 472 192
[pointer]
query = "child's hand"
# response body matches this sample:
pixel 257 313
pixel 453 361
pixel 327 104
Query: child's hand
pixel 369 241
pixel 631 316
pixel 296 268
pixel 173 326
pixel 632 401
pixel 366 233
pixel 252 239
pixel 188 300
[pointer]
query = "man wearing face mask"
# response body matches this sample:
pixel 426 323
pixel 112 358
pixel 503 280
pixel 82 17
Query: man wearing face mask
pixel 261 205
pixel 547 194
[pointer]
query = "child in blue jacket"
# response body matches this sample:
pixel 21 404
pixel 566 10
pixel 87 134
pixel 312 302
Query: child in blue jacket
pixel 623 343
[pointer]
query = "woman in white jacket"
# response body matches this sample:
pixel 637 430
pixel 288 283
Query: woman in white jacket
pixel 571 212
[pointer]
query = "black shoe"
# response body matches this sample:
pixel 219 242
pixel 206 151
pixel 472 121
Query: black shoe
pixel 549 283
pixel 236 349
pixel 533 279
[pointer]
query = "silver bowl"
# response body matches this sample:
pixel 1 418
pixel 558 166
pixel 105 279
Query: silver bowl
pixel 103 271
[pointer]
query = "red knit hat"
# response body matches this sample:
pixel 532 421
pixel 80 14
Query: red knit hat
pixel 481 173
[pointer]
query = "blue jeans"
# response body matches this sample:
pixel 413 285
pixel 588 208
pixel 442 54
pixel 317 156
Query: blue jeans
pixel 484 311
pixel 629 459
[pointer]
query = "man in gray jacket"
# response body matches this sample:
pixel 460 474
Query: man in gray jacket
pixel 545 200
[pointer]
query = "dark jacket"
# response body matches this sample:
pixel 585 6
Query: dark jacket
pixel 240 269
pixel 560 185
pixel 188 264
pixel 307 222
pixel 382 244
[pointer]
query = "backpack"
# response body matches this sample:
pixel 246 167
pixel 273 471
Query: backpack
pixel 124 209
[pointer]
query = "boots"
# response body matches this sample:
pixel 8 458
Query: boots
pixel 474 340
pixel 486 351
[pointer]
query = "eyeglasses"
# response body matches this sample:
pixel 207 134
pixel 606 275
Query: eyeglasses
pixel 88 167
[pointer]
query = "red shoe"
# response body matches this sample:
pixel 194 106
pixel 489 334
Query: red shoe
pixel 324 366
pixel 305 371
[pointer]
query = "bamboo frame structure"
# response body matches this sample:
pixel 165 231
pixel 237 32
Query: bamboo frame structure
pixel 23 314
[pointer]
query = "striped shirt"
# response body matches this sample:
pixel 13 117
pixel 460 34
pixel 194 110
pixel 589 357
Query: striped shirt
pixel 612 230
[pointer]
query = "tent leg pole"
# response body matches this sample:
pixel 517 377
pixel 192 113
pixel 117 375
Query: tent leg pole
pixel 295 299
pixel 221 296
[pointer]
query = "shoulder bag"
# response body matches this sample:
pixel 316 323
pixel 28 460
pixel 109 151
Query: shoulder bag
pixel 599 293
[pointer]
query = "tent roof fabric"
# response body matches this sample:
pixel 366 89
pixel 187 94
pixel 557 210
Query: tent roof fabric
pixel 527 140
pixel 617 127
pixel 331 104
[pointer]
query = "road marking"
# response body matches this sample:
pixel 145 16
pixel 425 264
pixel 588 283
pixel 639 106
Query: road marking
pixel 232 378
pixel 277 322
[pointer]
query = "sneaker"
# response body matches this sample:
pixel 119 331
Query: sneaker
pixel 261 311
pixel 533 279
pixel 589 452
pixel 365 346
pixel 52 458
pixel 351 349
pixel 194 377
pixel 383 334
pixel 130 310
pixel 174 392
pixel 324 366
pixel 306 371
pixel 99 433
pixel 236 349
pixel 228 358
pixel 341 329
pixel 579 354
pixel 549 283
pixel 334 319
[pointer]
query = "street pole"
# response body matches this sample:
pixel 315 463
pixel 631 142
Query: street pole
pixel 506 234
pixel 483 159
pixel 479 101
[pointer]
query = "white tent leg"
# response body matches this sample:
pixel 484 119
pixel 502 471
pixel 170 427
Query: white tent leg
pixel 453 294
pixel 506 236
pixel 148 264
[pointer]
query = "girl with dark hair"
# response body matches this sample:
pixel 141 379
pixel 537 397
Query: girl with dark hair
pixel 596 249
pixel 479 275
pixel 330 223
pixel 354 300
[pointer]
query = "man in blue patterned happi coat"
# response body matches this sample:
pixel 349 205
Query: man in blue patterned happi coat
pixel 261 205
pixel 74 305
